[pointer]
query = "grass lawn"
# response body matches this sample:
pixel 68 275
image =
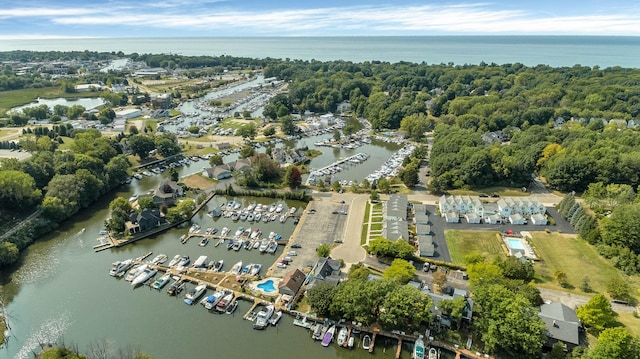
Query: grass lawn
pixel 461 243
pixel 376 226
pixel 364 234
pixel 502 191
pixel 630 322
pixel 576 258
pixel 367 209
pixel 10 99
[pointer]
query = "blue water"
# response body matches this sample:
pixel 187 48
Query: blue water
pixel 516 244
pixel 603 51
pixel 267 286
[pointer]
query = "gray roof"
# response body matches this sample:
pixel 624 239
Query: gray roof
pixel 422 218
pixel 423 229
pixel 420 208
pixel 395 230
pixel 562 322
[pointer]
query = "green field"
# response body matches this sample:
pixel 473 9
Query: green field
pixel 10 99
pixel 502 191
pixel 576 258
pixel 461 243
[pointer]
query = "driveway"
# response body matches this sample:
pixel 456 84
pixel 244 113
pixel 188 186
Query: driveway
pixel 350 250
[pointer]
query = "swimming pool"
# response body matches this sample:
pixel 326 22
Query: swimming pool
pixel 515 244
pixel 267 286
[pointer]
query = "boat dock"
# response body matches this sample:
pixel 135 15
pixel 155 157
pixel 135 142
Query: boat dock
pixel 111 242
pixel 327 170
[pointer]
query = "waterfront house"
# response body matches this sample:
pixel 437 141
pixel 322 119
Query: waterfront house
pixel 562 325
pixel 326 270
pixel 240 165
pixel 291 283
pixel 145 220
pixel 167 193
pixel 217 172
pixel 442 318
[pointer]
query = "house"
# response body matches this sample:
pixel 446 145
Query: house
pixel 562 324
pixel 326 270
pixel 472 218
pixel 493 219
pixel 217 172
pixel 327 120
pixel 88 87
pixel 461 205
pixel 504 208
pixel 240 165
pixel 343 107
pixel 421 218
pixel 223 145
pixel 396 207
pixel 167 192
pixel 467 312
pixel 452 217
pixel 145 220
pixel 425 245
pixel 128 113
pixel 539 219
pixel 161 101
pixel 423 229
pixel 516 218
pixel 292 282
pixel 395 230
pixel 420 209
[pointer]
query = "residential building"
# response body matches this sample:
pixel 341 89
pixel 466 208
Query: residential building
pixel 562 325
pixel 395 230
pixel 426 247
pixel 396 207
pixel 128 113
pixel 161 101
pixel 443 319
pixel 539 219
pixel 292 282
pixel 167 193
pixel 326 270
pixel 217 172
pixel 145 220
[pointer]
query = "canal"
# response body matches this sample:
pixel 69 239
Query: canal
pixel 61 290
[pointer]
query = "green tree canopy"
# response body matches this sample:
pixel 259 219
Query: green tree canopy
pixel 615 343
pixel 141 145
pixel 18 190
pixel 320 298
pixel 405 308
pixel 400 270
pixel 597 314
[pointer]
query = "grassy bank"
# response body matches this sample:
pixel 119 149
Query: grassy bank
pixel 461 243
pixel 10 99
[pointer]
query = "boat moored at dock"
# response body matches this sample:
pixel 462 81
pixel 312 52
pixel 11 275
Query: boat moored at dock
pixel 194 294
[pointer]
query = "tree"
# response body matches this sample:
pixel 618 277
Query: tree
pixel 400 270
pixel 453 308
pixel 619 289
pixel 141 145
pixel 320 298
pixel 293 177
pixel 166 144
pixel 323 251
pixel 18 190
pixel 116 170
pixel 514 268
pixel 405 308
pixel 182 211
pixel 622 228
pixel 121 204
pixel 216 160
pixel 193 129
pixel 409 176
pixel 145 202
pixel 269 131
pixel 415 125
pixel 173 174
pixel 615 343
pixel 287 125
pixel 74 112
pixel 597 314
pixel 9 253
pixel 384 185
pixel 336 186
pixel 248 131
pixel 336 135
pixel 247 151
pixel 374 196
pixel 561 278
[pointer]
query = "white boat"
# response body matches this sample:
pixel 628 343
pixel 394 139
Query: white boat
pixel 258 216
pixel 225 231
pixel 211 301
pixel 236 268
pixel 237 245
pixel 419 349
pixel 328 336
pixel 237 205
pixel 263 245
pixel 342 336
pixel 133 272
pixel 258 207
pixel 203 242
pixel 273 217
pixel 255 269
pixel 118 268
pixel 251 206
pixel 194 294
pixel 272 247
pixel 351 341
pixel 279 208
pixel 232 307
pixel 243 215
pixel 143 276
pixel 275 318
pixel 250 217
pixel 159 259
pixel 239 231
pixel 292 210
pixel 262 319
pixel 272 208
pixel 133 198
pixel 256 244
pixel 218 266
pixel 271 235
pixel 283 218
pixel 226 300
pixel 175 260
pixel 200 262
pixel 255 234
pixel 162 281
pixel 366 342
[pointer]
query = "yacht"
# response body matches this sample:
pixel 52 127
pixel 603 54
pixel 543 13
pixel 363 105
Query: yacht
pixel 262 319
pixel 272 208
pixel 279 208
pixel 283 218
pixel 258 217
pixel 162 281
pixel 232 307
pixel 143 276
pixel 237 244
pixel 292 210
pixel 211 301
pixel 218 266
pixel 250 217
pixel 251 206
pixel 255 269
pixel 255 234
pixel 275 318
pixel 342 336
pixel 239 231
pixel 174 262
pixel 272 247
pixel 226 300
pixel 133 272
pixel 159 259
pixel 194 294
pixel 244 215
pixel 265 218
pixel 203 242
pixel 273 217
pixel 120 267
pixel 236 268
pixel 263 245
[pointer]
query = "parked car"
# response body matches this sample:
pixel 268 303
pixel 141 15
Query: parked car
pixel 483 195
pixel 296 245
pixel 495 195
pixel 425 266
pixel 337 240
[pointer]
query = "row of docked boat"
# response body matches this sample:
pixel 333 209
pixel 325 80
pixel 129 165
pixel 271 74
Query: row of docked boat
pixel 265 317
pixel 393 165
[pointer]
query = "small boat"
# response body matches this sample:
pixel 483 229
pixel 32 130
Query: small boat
pixel 218 266
pixel 230 244
pixel 144 276
pixel 118 268
pixel 211 301
pixel 236 268
pixel 255 234
pixel 271 235
pixel 278 237
pixel 203 242
pixel 133 198
pixel 279 208
pixel 258 216
pixel 262 319
pixel 176 288
pixel 351 341
pixel 222 304
pixel 162 281
pixel 230 204
pixel 317 332
pixel 194 294
pixel 272 208
pixel 263 245
pixel 283 218
pixel 159 259
pixel 273 246
pixel 237 245
pixel 418 349
pixel 246 269
pixel 183 239
pixel 174 262
pixel 255 269
pixel 232 307
pixel 258 207
pixel 225 231
pixel 237 205
pixel 256 244
pixel 244 215
pixel 251 206
pixel 366 342
pixel 239 231
pixel 184 261
pixel 275 318
pixel 292 210
pixel 342 336
pixel 433 353
pixel 235 216
pixel 133 272
pixel 246 232
pixel 251 217
pixel 214 230
pixel 102 232
pixel 195 228
pixel 273 217
pixel 328 336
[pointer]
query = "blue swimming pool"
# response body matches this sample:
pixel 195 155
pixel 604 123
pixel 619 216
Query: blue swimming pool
pixel 515 244
pixel 267 286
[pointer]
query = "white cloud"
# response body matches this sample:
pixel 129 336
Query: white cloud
pixel 471 18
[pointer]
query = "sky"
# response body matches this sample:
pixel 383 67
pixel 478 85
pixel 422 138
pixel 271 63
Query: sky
pixel 42 19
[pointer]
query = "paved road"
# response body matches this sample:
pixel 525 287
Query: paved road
pixel 350 250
